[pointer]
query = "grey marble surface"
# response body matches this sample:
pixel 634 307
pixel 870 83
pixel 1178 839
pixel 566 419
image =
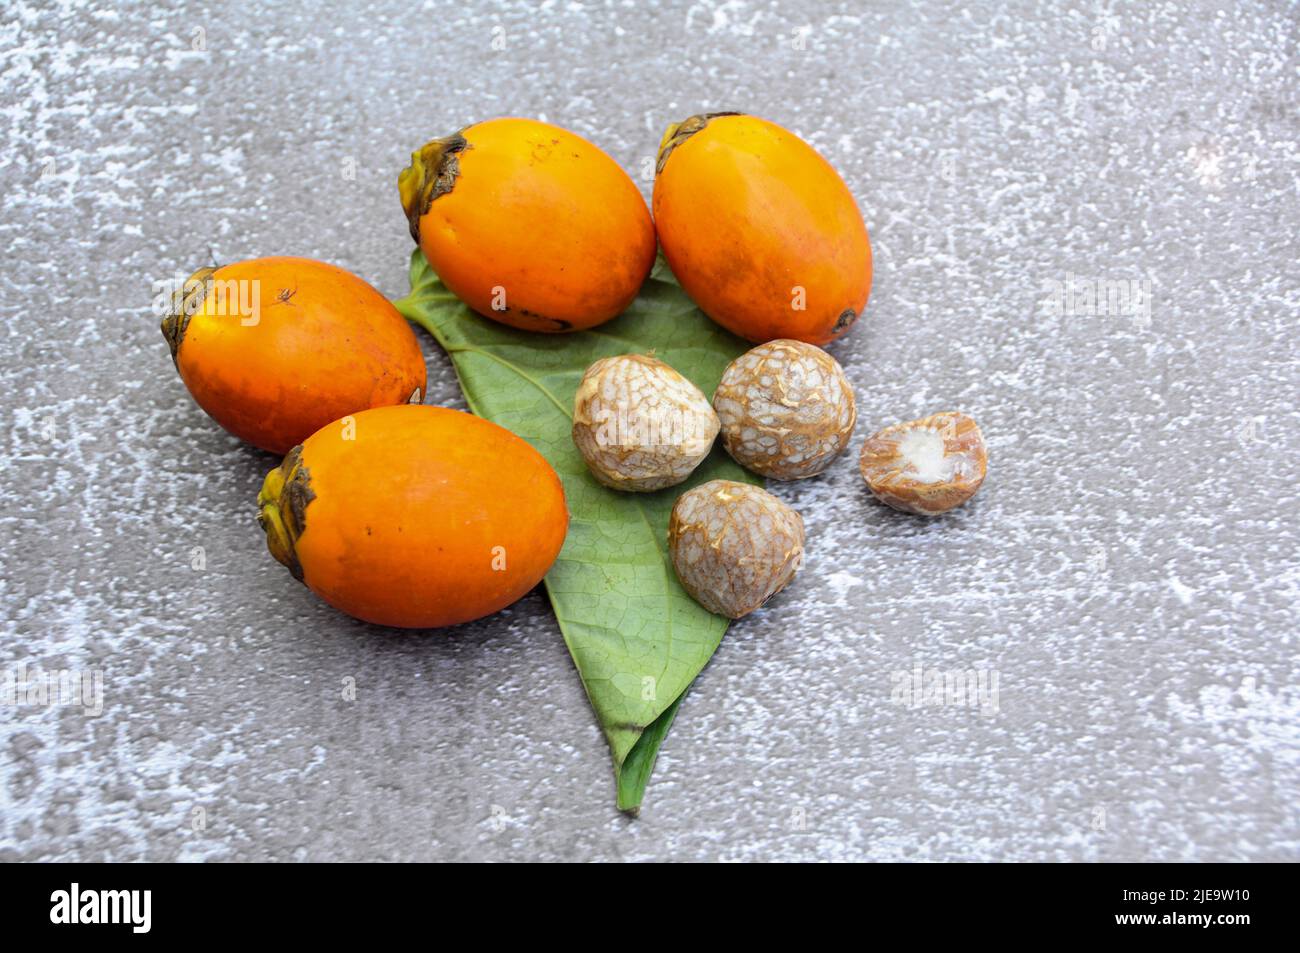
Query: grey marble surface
pixel 1130 574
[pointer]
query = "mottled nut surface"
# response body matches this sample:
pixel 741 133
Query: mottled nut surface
pixel 926 466
pixel 639 424
pixel 733 545
pixel 786 409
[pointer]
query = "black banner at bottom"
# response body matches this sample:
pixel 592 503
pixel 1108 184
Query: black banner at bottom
pixel 136 903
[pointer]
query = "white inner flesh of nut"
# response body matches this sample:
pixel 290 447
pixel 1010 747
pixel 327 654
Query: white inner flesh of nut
pixel 923 453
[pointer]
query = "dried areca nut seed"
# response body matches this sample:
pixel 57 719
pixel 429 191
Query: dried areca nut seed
pixel 786 409
pixel 734 545
pixel 926 466
pixel 639 424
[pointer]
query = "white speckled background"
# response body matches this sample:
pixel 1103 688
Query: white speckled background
pixel 1130 572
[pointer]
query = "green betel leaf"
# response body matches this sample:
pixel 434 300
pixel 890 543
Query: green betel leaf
pixel 637 638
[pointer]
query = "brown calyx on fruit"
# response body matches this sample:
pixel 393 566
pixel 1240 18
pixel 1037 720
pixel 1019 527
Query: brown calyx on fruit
pixel 679 132
pixel 282 509
pixel 844 321
pixel 186 302
pixel 926 466
pixel 433 171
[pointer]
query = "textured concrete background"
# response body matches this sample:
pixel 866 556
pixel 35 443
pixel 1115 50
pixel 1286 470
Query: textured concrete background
pixel 1130 572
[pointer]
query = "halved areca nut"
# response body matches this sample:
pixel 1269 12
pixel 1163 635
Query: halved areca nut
pixel 926 466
